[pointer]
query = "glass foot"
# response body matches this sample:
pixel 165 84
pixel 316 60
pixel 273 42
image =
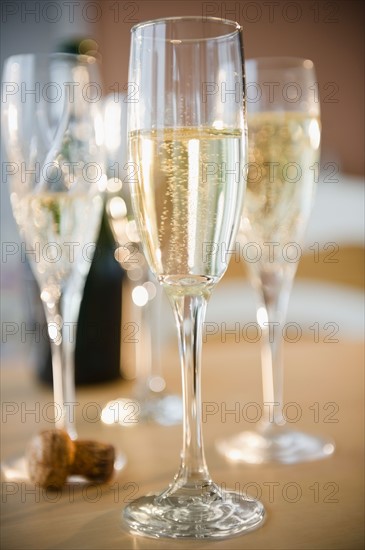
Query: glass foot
pixel 165 410
pixel 15 469
pixel 204 517
pixel 280 445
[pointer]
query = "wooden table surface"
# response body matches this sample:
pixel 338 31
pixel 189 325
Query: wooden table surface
pixel 311 505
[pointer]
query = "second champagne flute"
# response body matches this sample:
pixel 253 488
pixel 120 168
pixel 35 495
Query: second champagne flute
pixel 284 137
pixel 187 142
pixel 52 126
pixel 141 296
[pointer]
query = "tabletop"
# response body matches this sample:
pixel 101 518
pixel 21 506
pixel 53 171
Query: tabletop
pixel 310 505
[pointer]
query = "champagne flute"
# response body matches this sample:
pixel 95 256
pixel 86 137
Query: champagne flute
pixel 187 142
pixel 284 140
pixel 141 302
pixel 53 137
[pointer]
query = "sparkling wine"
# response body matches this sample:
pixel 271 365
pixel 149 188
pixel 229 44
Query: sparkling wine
pixel 59 229
pixel 282 148
pixel 189 185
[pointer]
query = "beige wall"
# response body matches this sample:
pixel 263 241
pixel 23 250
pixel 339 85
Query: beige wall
pixel 329 33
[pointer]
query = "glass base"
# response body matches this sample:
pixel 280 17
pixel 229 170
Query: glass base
pixel 166 410
pixel 278 444
pixel 191 517
pixel 15 469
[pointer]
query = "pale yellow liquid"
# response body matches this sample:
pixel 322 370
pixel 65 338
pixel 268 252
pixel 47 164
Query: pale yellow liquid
pixel 186 202
pixel 277 208
pixel 60 230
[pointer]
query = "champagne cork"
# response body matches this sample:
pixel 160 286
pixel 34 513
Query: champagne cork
pixel 52 457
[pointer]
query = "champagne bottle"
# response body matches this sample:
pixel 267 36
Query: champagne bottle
pixel 98 340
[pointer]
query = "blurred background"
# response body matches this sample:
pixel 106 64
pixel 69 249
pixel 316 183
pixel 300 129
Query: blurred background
pixel 329 288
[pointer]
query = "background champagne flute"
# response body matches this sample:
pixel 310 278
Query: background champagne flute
pixel 142 296
pixel 52 131
pixel 284 138
pixel 187 143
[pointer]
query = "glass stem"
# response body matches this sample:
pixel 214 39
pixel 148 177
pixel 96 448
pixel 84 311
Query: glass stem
pixel 143 352
pixel 62 350
pixel 155 322
pixel 274 298
pixel 189 315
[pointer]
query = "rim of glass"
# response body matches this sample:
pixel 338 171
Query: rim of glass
pixel 42 56
pixel 283 62
pixel 201 19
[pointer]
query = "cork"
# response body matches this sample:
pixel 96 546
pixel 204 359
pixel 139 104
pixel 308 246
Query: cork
pixel 52 457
